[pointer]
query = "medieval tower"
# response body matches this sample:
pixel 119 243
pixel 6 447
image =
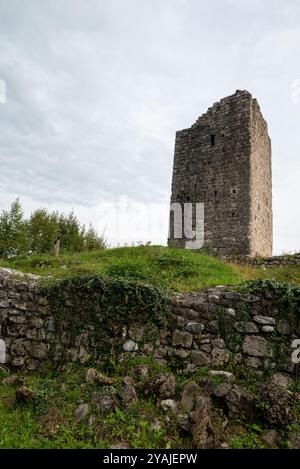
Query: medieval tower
pixel 223 163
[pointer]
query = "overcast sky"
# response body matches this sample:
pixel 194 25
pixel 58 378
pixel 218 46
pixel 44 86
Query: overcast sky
pixel 96 89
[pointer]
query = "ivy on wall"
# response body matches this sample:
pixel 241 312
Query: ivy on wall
pixel 102 306
pixel 288 295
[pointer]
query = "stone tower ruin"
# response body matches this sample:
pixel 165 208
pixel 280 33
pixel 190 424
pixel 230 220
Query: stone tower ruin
pixel 223 163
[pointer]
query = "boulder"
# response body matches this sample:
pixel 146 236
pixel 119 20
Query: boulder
pixel 239 402
pixel 279 408
pixel 169 405
pixel 221 390
pixel 189 396
pixel 129 395
pixel 201 426
pixel 184 422
pixel 105 402
pixel 130 346
pixel 81 411
pixel 164 385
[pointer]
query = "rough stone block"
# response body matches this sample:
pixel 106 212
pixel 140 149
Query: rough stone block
pixel 182 339
pixel 257 346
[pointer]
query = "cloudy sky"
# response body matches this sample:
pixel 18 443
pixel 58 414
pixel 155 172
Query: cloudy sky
pixel 96 89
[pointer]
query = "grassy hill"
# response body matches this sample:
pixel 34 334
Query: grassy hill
pixel 172 269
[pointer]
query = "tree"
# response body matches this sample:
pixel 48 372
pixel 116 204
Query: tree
pixel 19 237
pixel 70 232
pixel 43 230
pixel 93 242
pixel 14 241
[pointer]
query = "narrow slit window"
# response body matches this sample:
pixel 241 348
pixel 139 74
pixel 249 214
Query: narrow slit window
pixel 212 140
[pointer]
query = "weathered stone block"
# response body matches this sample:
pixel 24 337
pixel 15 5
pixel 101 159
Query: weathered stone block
pixel 136 332
pixel 130 346
pixel 220 356
pixel 189 396
pixel 18 347
pixel 212 327
pixel 183 339
pixel 200 358
pixel 194 327
pixel 240 402
pixel 38 350
pixel 17 319
pixel 4 304
pixel 284 327
pixel 268 329
pixel 246 327
pixel 36 322
pixel 257 346
pixel 265 320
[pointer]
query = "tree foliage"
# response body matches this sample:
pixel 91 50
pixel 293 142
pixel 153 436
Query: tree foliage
pixel 21 237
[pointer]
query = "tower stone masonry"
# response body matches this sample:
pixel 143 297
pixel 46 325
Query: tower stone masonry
pixel 224 162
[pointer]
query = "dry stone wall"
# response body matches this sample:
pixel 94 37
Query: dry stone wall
pixel 265 262
pixel 216 328
pixel 26 325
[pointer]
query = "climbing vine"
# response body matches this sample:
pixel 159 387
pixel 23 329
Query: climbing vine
pixel 102 307
pixel 288 295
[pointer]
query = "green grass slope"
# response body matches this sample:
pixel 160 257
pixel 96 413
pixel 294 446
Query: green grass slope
pixel 172 269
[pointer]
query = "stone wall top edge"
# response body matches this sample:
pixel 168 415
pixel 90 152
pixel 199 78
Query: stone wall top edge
pixel 17 275
pixel 235 96
pixel 256 108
